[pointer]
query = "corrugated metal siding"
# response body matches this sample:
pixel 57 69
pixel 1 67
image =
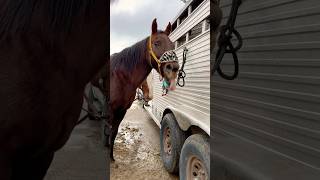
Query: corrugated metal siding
pixel 195 18
pixel 275 102
pixel 196 92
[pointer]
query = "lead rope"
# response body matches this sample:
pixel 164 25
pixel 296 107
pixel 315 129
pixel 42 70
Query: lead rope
pixel 182 74
pixel 224 42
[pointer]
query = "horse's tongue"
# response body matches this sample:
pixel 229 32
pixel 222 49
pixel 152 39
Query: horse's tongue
pixel 172 85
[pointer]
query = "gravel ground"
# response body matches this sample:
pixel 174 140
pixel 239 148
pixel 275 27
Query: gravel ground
pixel 137 150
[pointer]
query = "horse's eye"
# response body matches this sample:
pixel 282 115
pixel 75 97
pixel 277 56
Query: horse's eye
pixel 169 67
pixel 157 43
pixel 175 69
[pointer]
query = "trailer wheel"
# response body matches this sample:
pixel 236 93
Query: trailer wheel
pixel 195 158
pixel 171 142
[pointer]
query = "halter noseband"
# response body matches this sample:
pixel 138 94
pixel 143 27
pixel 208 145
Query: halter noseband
pixel 168 56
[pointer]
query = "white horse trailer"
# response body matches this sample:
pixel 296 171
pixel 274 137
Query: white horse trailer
pixel 183 115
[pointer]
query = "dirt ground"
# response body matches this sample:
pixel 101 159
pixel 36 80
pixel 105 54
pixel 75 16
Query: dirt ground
pixel 137 149
pixel 82 157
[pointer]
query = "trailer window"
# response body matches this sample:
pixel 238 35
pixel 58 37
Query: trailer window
pixel 195 4
pixel 195 31
pixel 183 16
pixel 174 26
pixel 181 41
pixel 207 21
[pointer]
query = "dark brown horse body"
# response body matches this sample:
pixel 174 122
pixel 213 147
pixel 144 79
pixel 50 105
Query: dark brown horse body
pixel 128 69
pixel 49 50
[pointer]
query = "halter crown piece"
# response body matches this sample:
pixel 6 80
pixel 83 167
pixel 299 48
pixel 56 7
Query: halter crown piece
pixel 168 56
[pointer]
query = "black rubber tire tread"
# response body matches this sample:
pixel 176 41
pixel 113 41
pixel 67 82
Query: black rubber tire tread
pixel 178 136
pixel 196 145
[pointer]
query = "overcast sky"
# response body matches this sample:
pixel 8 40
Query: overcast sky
pixel 131 19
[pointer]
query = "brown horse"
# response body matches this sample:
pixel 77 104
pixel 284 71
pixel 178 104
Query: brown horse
pixel 49 51
pixel 129 68
pixel 146 91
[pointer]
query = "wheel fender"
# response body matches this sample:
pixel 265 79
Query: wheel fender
pixel 186 120
pixel 183 122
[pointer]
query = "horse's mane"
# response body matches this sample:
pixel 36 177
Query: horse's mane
pixel 129 57
pixel 16 15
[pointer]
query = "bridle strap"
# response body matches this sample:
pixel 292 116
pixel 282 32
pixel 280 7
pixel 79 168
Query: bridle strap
pixel 153 55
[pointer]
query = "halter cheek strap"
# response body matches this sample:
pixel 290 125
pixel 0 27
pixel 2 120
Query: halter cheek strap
pixel 168 56
pixel 153 55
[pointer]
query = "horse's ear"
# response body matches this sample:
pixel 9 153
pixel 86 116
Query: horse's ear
pixel 168 29
pixel 154 26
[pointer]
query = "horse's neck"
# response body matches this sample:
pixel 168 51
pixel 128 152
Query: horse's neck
pixel 140 73
pixel 131 66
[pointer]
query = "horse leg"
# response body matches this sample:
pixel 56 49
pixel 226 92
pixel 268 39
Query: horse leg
pixel 145 90
pixel 114 131
pixel 33 168
pixel 113 136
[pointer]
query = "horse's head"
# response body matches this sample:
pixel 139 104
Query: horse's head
pixel 161 51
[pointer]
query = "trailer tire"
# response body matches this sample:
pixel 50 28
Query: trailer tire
pixel 171 142
pixel 195 158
